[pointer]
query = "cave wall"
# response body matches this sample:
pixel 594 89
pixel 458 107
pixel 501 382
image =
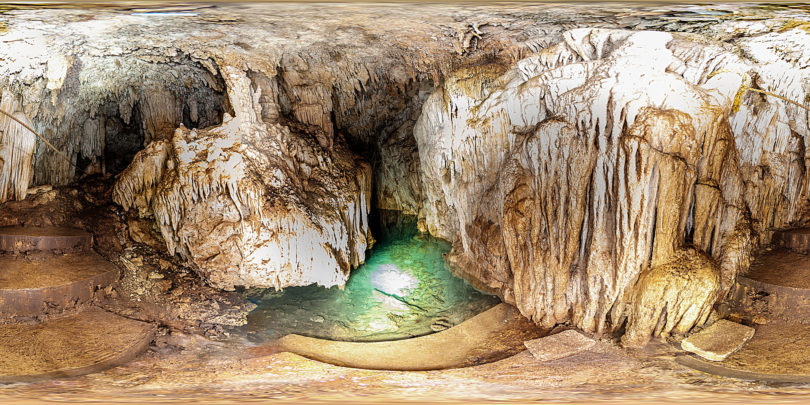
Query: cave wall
pixel 617 175
pixel 83 103
pixel 589 175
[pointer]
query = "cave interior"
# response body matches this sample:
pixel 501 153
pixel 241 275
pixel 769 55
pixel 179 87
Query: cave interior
pixel 455 196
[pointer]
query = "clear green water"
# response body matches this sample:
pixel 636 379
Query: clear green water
pixel 404 289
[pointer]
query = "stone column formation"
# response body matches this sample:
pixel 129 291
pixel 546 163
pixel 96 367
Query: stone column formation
pixel 609 178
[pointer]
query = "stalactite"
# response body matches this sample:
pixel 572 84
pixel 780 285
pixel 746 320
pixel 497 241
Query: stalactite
pixel 249 203
pixel 591 159
pixel 17 146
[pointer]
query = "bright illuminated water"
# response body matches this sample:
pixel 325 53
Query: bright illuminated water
pixel 405 289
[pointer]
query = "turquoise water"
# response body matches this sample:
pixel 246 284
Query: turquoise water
pixel 404 289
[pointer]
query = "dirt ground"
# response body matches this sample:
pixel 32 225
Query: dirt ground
pixel 183 368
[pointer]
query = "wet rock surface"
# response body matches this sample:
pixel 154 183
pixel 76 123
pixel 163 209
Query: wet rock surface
pixel 585 162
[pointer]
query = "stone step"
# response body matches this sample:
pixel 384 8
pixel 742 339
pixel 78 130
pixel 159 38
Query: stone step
pixel 79 344
pixel 47 283
pixel 797 240
pixel 23 239
pixel 776 353
pixel 777 286
pixel 719 340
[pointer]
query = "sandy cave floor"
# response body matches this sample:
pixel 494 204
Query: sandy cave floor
pixel 181 368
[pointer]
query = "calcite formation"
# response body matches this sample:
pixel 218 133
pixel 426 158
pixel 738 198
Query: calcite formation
pixel 572 182
pixel 16 150
pixel 590 166
pixel 244 212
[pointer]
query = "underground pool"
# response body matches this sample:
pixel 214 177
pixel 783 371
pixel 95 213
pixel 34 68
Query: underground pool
pixel 404 289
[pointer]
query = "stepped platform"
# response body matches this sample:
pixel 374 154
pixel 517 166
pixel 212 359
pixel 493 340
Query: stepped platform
pixel 79 344
pixel 797 240
pixel 23 239
pixel 35 285
pixel 777 286
pixel 781 267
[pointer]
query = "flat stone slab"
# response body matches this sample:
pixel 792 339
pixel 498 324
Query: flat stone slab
pixel 23 239
pixel 718 341
pixel 557 346
pixel 75 345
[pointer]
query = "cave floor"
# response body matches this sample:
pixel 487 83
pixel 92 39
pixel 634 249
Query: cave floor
pixel 180 368
pixel 779 348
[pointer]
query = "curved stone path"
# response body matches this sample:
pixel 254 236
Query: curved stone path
pixel 489 336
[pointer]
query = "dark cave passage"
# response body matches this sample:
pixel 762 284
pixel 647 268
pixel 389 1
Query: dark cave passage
pixel 101 129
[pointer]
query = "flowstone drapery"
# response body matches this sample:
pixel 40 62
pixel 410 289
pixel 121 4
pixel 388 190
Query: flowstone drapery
pixel 611 177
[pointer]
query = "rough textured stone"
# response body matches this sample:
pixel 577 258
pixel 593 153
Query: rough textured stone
pixel 592 181
pixel 559 345
pixel 576 161
pixel 718 341
pixel 244 212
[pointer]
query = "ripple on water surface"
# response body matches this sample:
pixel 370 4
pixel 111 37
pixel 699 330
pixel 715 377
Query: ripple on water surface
pixel 404 289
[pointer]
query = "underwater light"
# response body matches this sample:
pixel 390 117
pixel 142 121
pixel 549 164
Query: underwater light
pixel 389 279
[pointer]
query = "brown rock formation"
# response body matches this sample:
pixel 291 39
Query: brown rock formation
pixel 572 183
pixel 234 202
pixel 574 169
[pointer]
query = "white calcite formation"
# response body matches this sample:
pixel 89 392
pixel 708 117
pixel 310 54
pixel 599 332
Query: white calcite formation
pixel 612 178
pixel 250 204
pixel 585 172
pixel 16 150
